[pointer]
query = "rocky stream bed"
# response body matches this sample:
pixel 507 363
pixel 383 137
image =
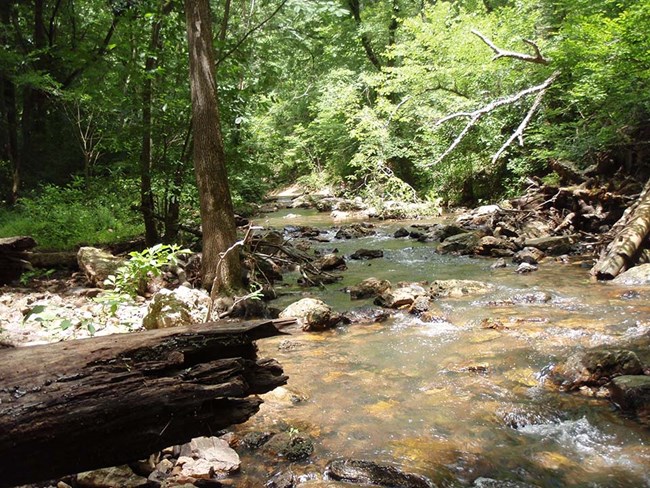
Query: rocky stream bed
pixel 436 353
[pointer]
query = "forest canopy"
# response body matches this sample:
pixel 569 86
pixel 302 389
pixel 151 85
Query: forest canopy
pixel 375 98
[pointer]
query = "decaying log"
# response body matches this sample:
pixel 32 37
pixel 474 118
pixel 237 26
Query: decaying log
pixel 632 230
pixel 84 404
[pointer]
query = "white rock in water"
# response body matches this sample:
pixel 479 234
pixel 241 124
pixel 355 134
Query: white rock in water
pixel 639 275
pixel 204 456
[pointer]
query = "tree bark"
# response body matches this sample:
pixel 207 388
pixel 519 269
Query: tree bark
pixel 217 213
pixel 624 249
pixel 84 404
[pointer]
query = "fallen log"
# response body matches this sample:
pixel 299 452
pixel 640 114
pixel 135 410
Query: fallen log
pixel 90 403
pixel 632 230
pixel 12 264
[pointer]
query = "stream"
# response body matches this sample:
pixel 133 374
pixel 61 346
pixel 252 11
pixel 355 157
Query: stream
pixel 451 400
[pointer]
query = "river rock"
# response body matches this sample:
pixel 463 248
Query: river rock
pixel 530 255
pixel 366 315
pixel 97 264
pixel 180 307
pixel 311 314
pixel 401 232
pixel 282 479
pixel 355 231
pixel 203 457
pixel 330 262
pixel 495 247
pixel 368 288
pixel 595 368
pixel 292 446
pixel 256 439
pixel 638 275
pixel 492 483
pixel 420 305
pixel 632 394
pixel 499 263
pixel 367 254
pixel 525 268
pixel 458 288
pixel 121 476
pixel 464 243
pixel 367 472
pixel 400 297
pixel 553 245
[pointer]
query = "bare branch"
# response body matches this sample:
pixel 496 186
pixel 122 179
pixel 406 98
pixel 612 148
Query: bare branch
pixel 519 133
pixel 502 53
pixel 477 114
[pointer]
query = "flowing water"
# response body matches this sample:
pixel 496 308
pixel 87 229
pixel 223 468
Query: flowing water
pixel 449 399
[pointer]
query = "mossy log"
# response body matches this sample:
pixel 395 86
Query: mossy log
pixel 84 404
pixel 632 231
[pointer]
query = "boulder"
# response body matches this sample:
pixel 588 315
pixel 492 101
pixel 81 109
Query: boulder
pixel 400 297
pixel 354 231
pixel 367 254
pixel 180 307
pixel 311 314
pixel 368 288
pixel 367 472
pixel 464 243
pixel 524 268
pixel 121 476
pixel 203 457
pixel 282 479
pixel 256 439
pixel 530 255
pixel 366 315
pixel 458 288
pixel 97 264
pixel 499 263
pixel 632 394
pixel 420 305
pixel 639 275
pixel 595 368
pixel 492 483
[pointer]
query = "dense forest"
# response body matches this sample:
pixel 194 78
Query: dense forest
pixel 448 102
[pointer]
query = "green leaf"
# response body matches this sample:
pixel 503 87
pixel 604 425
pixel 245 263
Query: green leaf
pixel 65 324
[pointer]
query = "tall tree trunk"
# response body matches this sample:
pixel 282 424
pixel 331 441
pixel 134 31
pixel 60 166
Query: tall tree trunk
pixel 355 10
pixel 146 193
pixel 217 213
pixel 9 122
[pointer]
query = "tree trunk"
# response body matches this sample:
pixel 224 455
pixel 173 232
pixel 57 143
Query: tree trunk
pixel 624 249
pixel 217 214
pixel 85 404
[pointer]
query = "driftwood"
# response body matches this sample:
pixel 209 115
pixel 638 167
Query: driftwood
pixel 631 231
pixel 85 404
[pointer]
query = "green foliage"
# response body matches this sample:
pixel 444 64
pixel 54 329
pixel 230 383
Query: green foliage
pixel 132 278
pixel 61 218
pixel 48 317
pixel 28 276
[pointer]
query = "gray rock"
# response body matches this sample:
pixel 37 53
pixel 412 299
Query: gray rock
pixel 254 440
pixel 491 483
pixel 464 243
pixel 524 268
pixel 97 264
pixel 121 476
pixel 458 288
pixel 283 479
pixel 495 246
pixel 368 472
pixel 499 263
pixel 553 245
pixel 311 314
pixel 639 275
pixel 530 255
pixel 401 232
pixel 329 262
pixel 366 315
pixel 180 307
pixel 400 297
pixel 203 457
pixel 368 288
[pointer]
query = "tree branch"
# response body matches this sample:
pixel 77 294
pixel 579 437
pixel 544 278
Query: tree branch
pixel 251 31
pixel 477 114
pixel 502 53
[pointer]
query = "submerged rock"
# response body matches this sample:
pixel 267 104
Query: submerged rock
pixel 525 268
pixel 464 243
pixel 206 456
pixel 330 262
pixel 400 297
pixel 401 232
pixel 366 315
pixel 290 445
pixel 282 479
pixel 530 255
pixel 492 483
pixel 173 308
pixel 368 472
pixel 458 288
